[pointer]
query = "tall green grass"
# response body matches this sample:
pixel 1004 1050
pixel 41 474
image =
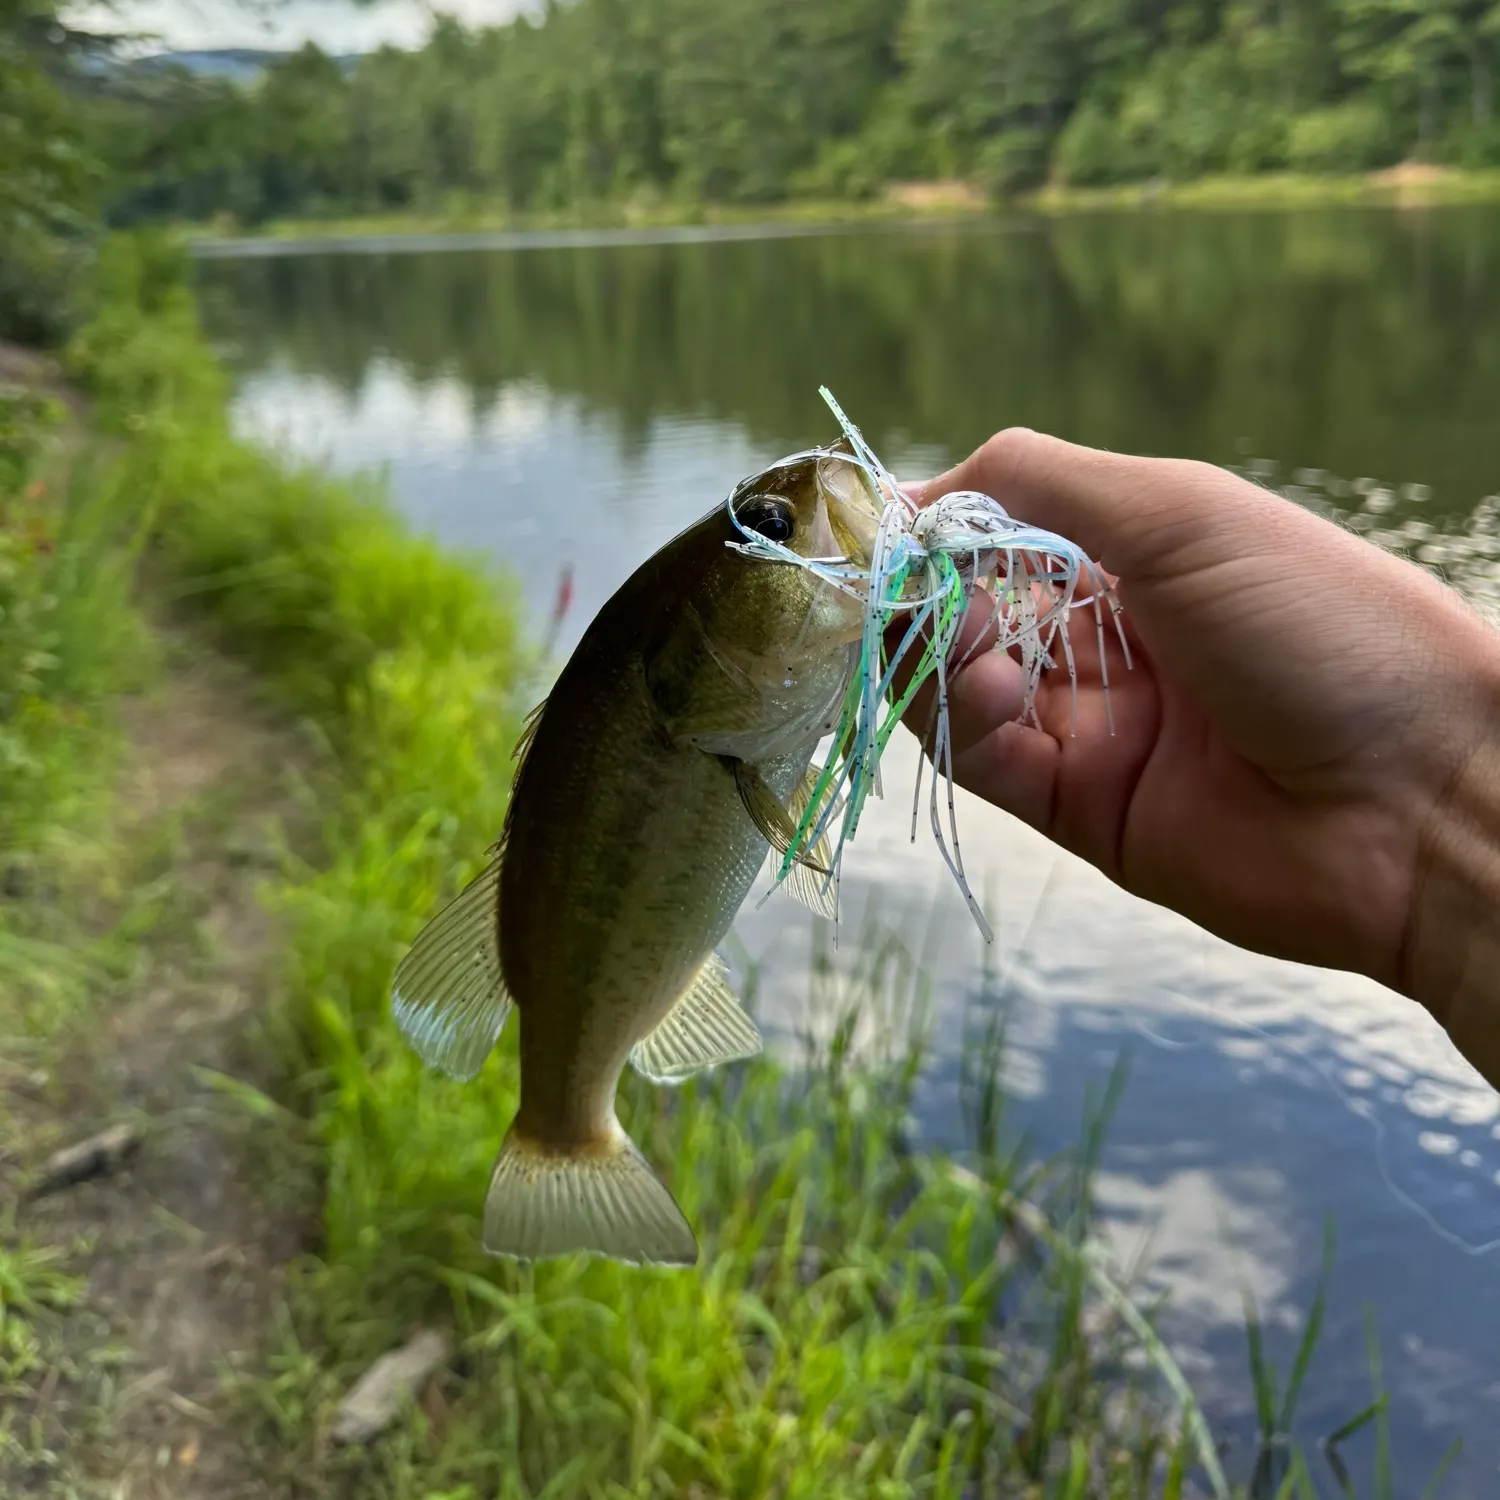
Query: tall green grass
pixel 71 643
pixel 70 638
pixel 868 1320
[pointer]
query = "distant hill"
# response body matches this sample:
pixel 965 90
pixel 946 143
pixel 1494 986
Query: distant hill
pixel 237 64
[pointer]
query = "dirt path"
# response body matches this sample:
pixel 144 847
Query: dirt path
pixel 37 372
pixel 184 1248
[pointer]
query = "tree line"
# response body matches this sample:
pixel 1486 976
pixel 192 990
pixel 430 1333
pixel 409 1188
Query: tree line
pixel 751 101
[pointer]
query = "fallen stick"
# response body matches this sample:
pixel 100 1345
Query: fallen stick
pixel 99 1156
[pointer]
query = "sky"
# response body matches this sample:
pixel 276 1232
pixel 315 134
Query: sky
pixel 335 25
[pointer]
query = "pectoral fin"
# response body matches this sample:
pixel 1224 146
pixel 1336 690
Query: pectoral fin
pixel 803 882
pixel 777 825
pixel 448 997
pixel 707 1026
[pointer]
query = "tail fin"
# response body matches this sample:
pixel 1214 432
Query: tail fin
pixel 603 1199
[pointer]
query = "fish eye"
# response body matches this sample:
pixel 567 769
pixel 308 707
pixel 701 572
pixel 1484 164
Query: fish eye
pixel 772 519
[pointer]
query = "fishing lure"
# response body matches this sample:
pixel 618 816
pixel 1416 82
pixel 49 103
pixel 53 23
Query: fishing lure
pixel 926 564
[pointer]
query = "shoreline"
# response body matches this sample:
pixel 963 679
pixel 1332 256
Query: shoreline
pixel 915 205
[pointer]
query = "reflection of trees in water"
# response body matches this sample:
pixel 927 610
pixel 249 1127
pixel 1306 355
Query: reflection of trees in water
pixel 1306 333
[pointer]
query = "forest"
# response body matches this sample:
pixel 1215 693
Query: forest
pixel 682 102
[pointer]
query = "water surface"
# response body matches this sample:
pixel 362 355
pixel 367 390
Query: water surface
pixel 568 405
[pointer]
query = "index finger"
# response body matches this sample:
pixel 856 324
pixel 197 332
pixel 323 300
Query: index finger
pixel 985 687
pixel 1132 514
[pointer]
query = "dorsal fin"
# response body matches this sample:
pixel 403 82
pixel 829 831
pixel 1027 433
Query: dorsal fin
pixel 527 736
pixel 524 742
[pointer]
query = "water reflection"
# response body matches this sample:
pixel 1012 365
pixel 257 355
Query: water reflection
pixel 575 407
pixel 1347 339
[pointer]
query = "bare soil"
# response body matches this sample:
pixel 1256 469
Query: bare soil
pixel 929 196
pixel 38 372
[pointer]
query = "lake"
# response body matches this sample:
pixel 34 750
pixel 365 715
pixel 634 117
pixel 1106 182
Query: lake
pixel 564 404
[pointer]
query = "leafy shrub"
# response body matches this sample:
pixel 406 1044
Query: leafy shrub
pixel 843 170
pixel 1350 137
pixel 1092 150
pixel 1013 160
pixel 45 183
pixel 1473 146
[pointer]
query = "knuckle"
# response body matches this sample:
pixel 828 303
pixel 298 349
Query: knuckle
pixel 1005 456
pixel 991 468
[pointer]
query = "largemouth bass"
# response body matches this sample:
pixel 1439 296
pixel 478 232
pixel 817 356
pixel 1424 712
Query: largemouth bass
pixel 674 747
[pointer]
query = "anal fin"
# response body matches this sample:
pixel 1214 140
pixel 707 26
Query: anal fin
pixel 598 1199
pixel 707 1026
pixel 448 996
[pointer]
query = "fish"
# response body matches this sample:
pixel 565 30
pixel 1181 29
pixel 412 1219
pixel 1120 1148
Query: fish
pixel 675 747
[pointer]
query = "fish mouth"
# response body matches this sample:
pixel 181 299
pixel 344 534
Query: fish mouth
pixel 852 506
pixel 854 511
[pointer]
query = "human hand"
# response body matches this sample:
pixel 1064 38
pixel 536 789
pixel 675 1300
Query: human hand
pixel 1304 757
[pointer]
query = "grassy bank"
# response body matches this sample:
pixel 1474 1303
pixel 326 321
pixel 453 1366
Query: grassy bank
pixel 905 203
pixel 68 636
pixel 1399 188
pixel 484 218
pixel 71 642
pixel 868 1319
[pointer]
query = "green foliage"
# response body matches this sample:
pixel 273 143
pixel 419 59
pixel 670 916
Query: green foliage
pixel 45 177
pixel 34 1288
pixel 650 102
pixel 750 101
pixel 979 71
pixel 1173 120
pixel 69 636
pixel 1013 160
pixel 1092 151
pixel 1348 137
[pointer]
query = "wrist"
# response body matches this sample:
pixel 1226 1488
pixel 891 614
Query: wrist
pixel 1451 951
